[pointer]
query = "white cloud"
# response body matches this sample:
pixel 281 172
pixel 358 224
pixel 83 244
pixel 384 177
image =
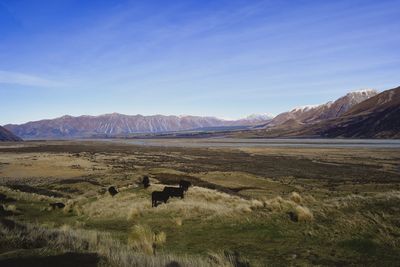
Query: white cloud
pixel 9 77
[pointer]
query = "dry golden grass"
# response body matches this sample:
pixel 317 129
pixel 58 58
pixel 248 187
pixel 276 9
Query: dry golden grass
pixel 256 204
pixel 208 204
pixel 304 214
pixel 123 205
pixel 354 200
pixel 295 197
pixel 134 213
pixel 198 201
pixel 226 259
pixel 178 221
pixel 43 165
pixel 143 239
pixel 115 253
pixel 279 204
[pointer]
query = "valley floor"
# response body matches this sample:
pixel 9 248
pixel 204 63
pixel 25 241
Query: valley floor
pixel 248 206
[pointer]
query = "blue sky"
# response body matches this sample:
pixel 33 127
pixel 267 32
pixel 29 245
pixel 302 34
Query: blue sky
pixel 222 58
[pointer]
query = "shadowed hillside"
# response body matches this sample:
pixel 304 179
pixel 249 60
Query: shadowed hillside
pixel 6 135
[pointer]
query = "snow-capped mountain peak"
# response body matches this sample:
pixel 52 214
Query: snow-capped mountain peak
pixel 365 91
pixel 304 108
pixel 261 116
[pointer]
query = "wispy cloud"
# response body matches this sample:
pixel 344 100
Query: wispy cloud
pixel 223 58
pixel 9 77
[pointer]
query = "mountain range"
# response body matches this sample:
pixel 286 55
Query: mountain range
pixel 358 114
pixel 121 125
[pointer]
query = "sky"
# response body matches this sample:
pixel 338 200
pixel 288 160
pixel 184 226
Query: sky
pixel 227 59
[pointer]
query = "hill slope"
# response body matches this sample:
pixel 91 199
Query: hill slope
pixel 6 135
pixel 377 117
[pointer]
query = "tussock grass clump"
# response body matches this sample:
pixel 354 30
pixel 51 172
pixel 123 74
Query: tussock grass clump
pixel 280 204
pixel 309 199
pixel 256 204
pixel 220 259
pixel 304 214
pixel 78 210
pixel 297 212
pixel 178 221
pixel 227 259
pixel 68 207
pixel 125 205
pixel 134 213
pixel 74 205
pixel 241 207
pixel 160 238
pixel 143 239
pixel 295 197
pixel 65 228
pixel 10 207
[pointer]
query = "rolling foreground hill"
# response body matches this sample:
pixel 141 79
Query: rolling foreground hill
pixel 6 135
pixel 376 117
pixel 118 124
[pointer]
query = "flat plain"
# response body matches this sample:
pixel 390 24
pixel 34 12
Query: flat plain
pixel 248 206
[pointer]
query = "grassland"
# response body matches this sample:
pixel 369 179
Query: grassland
pixel 248 206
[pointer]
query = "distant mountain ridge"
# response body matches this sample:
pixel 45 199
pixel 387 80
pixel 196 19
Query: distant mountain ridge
pixel 118 124
pixel 358 114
